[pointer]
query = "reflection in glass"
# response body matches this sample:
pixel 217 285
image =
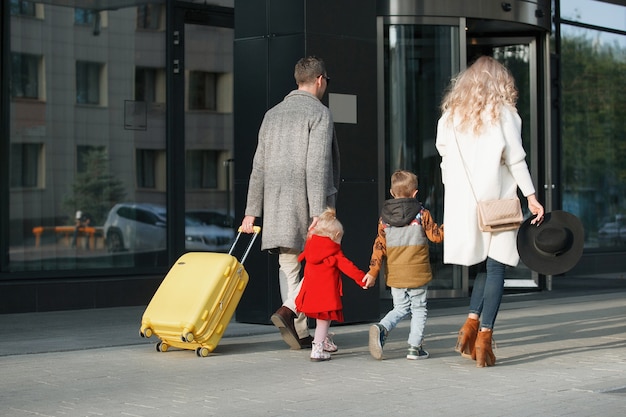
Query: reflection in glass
pixel 593 154
pixel 593 12
pixel 419 62
pixel 88 135
pixel 209 137
pixel 70 149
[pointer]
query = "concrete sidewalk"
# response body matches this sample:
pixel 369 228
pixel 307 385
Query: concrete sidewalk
pixel 559 353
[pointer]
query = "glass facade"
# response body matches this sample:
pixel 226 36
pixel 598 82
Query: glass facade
pixel 593 109
pixel 88 148
pixel 419 61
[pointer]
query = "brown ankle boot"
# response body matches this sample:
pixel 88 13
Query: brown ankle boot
pixel 467 338
pixel 484 352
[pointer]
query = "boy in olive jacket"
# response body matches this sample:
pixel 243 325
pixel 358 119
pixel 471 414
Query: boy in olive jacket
pixel 404 229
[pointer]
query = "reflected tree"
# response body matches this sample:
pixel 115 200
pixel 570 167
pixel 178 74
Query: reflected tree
pixel 95 190
pixel 593 129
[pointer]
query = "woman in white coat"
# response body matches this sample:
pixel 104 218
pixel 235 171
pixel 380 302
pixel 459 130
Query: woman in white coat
pixel 479 136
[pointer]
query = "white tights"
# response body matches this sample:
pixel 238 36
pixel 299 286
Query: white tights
pixel 321 330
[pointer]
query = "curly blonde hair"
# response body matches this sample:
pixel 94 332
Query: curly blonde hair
pixel 486 85
pixel 328 225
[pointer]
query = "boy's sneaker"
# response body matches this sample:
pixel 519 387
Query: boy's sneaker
pixel 378 335
pixel 416 352
pixel 329 344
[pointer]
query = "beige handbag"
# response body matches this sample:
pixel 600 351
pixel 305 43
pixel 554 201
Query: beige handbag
pixel 495 215
pixel 499 215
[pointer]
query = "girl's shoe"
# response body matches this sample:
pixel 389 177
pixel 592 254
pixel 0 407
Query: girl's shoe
pixel 318 354
pixel 329 344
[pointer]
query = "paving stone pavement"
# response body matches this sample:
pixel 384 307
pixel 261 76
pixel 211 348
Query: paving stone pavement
pixel 558 354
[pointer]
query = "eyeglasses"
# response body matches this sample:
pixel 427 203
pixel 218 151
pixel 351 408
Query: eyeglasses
pixel 326 77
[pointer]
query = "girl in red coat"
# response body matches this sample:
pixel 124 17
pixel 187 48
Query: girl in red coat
pixel 321 290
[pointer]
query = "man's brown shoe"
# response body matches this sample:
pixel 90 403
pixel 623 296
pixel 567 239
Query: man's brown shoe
pixel 283 319
pixel 306 342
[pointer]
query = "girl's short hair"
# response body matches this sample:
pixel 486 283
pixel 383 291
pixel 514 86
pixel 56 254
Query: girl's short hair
pixel 403 184
pixel 328 225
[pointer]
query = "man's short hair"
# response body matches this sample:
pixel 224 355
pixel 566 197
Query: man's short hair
pixel 308 69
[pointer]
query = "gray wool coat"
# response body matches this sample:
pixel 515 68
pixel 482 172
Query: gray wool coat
pixel 295 170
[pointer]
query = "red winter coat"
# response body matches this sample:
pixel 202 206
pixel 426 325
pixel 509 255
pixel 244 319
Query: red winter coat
pixel 321 288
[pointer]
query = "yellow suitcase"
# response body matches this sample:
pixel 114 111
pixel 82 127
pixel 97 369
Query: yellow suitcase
pixel 196 300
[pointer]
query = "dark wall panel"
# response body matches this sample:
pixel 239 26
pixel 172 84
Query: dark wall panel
pixel 285 17
pixel 80 293
pixel 250 18
pixel 283 53
pixel 358 212
pixel 251 83
pixel 264 65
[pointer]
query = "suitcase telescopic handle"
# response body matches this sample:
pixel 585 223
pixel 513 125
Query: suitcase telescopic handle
pixel 256 231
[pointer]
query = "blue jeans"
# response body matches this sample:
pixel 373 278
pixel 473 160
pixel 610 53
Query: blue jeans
pixel 487 293
pixel 408 301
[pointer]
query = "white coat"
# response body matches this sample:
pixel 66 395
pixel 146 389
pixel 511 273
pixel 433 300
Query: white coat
pixel 496 164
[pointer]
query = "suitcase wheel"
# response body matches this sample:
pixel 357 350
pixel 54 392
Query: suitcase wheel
pixel 187 337
pixel 145 333
pixel 202 352
pixel 162 347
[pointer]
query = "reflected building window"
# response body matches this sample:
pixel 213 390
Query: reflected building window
pixel 150 166
pixel 25 75
pixel 22 8
pixel 210 91
pixel 26 163
pixel 146 167
pixel 201 168
pixel 84 16
pixel 202 90
pixel 150 85
pixel 149 16
pixel 88 82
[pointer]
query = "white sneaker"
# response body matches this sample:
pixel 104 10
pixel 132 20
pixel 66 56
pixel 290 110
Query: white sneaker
pixel 318 354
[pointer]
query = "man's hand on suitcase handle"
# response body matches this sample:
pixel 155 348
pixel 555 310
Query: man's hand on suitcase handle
pixel 247 225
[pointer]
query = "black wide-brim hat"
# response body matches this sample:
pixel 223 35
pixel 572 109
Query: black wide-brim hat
pixel 555 246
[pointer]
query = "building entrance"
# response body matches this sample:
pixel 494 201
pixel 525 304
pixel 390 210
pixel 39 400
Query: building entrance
pixel 519 55
pixel 420 50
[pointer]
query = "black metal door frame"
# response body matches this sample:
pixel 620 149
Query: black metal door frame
pixel 180 13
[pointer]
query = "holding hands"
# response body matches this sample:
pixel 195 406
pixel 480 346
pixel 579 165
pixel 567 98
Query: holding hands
pixel 368 281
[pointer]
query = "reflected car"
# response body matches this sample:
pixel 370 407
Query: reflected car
pixel 207 237
pixel 612 232
pixel 143 227
pixel 212 217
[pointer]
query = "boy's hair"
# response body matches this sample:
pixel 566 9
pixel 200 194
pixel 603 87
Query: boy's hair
pixel 328 225
pixel 308 69
pixel 403 184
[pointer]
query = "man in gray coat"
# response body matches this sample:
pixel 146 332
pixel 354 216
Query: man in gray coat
pixel 295 176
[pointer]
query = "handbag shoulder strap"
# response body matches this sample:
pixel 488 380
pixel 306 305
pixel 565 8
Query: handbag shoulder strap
pixel 463 161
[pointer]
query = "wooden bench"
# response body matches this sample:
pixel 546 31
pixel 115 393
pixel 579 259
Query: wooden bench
pixel 68 233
